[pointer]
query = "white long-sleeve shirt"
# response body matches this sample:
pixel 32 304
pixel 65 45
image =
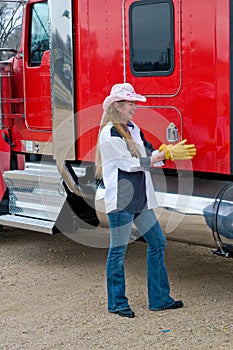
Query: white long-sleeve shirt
pixel 121 168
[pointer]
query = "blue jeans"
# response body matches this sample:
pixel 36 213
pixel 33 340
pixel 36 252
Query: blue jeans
pixel 157 280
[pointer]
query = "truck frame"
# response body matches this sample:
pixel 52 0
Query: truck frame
pixel 178 53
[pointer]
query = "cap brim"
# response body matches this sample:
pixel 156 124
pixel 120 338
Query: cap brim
pixel 111 99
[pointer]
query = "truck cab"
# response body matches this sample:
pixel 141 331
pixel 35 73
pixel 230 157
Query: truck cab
pixel 52 90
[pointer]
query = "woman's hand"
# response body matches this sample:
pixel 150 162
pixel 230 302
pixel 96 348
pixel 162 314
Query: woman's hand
pixel 158 157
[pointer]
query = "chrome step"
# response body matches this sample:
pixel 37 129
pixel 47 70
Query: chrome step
pixel 36 191
pixel 36 196
pixel 26 223
pixel 38 204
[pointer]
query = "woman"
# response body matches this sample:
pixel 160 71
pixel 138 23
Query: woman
pixel 123 165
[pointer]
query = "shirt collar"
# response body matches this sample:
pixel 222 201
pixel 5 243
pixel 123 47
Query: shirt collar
pixel 130 124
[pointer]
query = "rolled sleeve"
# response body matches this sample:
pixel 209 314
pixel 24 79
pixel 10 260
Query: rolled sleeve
pixel 145 163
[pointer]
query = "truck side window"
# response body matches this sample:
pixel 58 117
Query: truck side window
pixel 151 38
pixel 39 33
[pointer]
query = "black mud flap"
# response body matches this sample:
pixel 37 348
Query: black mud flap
pixel 4 203
pixel 76 213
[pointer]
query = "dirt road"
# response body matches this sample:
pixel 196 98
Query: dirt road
pixel 53 297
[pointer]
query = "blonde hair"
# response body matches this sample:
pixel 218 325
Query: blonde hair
pixel 111 115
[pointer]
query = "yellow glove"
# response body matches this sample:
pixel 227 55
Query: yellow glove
pixel 180 151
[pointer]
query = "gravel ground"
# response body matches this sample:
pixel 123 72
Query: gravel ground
pixel 53 297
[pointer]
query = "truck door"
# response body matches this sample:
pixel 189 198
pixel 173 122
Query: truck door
pixel 37 68
pixel 153 62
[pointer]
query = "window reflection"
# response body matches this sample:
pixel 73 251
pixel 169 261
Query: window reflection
pixel 151 34
pixel 39 33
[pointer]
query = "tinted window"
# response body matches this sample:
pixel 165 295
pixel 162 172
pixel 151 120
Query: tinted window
pixel 39 33
pixel 151 38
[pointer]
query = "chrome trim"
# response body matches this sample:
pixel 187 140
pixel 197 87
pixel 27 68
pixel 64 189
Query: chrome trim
pixel 60 15
pixel 35 130
pixel 123 39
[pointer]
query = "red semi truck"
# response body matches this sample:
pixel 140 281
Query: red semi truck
pixel 178 53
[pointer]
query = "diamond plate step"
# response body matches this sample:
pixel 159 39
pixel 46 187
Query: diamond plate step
pixel 26 223
pixel 36 191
